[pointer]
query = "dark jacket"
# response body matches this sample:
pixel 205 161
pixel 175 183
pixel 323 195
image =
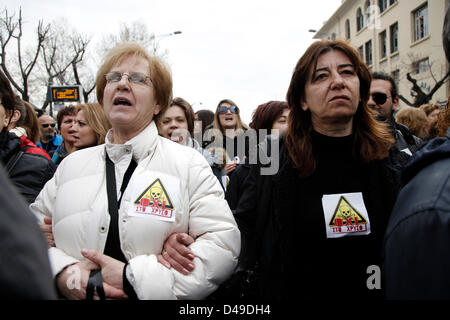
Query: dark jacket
pixel 24 267
pixel 29 147
pixel 234 189
pixel 282 233
pixel 28 172
pixel 257 154
pixel 417 242
pixel 404 139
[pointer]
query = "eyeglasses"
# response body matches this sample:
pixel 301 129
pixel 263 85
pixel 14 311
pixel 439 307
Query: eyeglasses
pixel 379 97
pixel 45 125
pixel 134 77
pixel 223 109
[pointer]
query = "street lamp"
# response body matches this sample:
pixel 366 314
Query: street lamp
pixel 157 39
pixel 318 33
pixel 197 102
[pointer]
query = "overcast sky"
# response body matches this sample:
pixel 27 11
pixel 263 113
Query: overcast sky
pixel 244 50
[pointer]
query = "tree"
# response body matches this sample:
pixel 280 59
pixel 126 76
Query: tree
pixel 63 56
pixel 11 29
pixel 137 31
pixel 420 97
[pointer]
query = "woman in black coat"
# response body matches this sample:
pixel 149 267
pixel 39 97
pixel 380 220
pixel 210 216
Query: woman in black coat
pixel 28 172
pixel 315 228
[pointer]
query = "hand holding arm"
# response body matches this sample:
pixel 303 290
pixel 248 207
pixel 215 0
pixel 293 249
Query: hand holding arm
pixel 176 254
pixel 46 228
pixel 112 271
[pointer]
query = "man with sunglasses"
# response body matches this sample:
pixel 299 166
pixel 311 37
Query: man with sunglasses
pixel 384 100
pixel 49 139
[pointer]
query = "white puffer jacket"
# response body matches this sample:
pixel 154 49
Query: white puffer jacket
pixel 190 200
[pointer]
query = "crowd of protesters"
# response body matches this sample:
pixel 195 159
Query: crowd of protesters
pixel 147 199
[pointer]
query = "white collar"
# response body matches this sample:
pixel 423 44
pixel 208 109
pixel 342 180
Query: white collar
pixel 141 146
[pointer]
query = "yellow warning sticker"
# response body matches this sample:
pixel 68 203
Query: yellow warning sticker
pixel 154 195
pixel 345 215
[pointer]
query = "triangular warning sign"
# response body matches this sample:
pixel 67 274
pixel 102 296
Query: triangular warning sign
pixel 155 195
pixel 345 214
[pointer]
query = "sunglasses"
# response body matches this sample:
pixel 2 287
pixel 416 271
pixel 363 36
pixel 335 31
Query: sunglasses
pixel 223 109
pixel 45 125
pixel 379 97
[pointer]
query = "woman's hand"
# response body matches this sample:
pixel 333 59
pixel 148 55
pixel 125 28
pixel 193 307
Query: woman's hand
pixel 229 167
pixel 72 281
pixel 47 229
pixel 176 254
pixel 112 272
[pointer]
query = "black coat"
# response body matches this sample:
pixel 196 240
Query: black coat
pixel 417 243
pixel 24 266
pixel 234 189
pixel 288 256
pixel 30 172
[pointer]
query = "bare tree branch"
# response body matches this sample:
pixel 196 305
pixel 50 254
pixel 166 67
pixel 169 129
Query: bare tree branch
pixel 11 28
pixel 8 28
pixel 421 97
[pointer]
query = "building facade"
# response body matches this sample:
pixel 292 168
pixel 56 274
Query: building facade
pixel 396 37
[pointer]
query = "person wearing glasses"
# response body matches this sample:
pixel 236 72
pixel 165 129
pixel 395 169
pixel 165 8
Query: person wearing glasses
pixel 114 205
pixel 28 171
pixel 384 99
pixel 228 132
pixel 49 140
pixel 315 228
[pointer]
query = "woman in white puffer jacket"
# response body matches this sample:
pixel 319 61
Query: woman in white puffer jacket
pixel 171 190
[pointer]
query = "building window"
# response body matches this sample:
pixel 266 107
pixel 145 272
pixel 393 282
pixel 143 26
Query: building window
pixel 361 52
pixel 383 5
pixel 393 32
pixel 421 22
pixel 347 29
pixel 367 11
pixel 383 45
pixel 396 76
pixel 421 66
pixel 369 52
pixel 359 19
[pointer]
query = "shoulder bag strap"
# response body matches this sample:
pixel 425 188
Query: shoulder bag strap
pixel 13 161
pixel 112 247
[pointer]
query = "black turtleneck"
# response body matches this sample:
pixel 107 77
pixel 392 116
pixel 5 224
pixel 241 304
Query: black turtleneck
pixel 338 264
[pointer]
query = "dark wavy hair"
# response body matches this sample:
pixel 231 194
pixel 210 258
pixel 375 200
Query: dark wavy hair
pixel 7 96
pixel 206 117
pixel 266 114
pixel 372 139
pixel 66 111
pixel 188 112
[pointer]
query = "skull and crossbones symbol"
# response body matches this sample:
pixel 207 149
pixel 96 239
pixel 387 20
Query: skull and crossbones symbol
pixel 156 194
